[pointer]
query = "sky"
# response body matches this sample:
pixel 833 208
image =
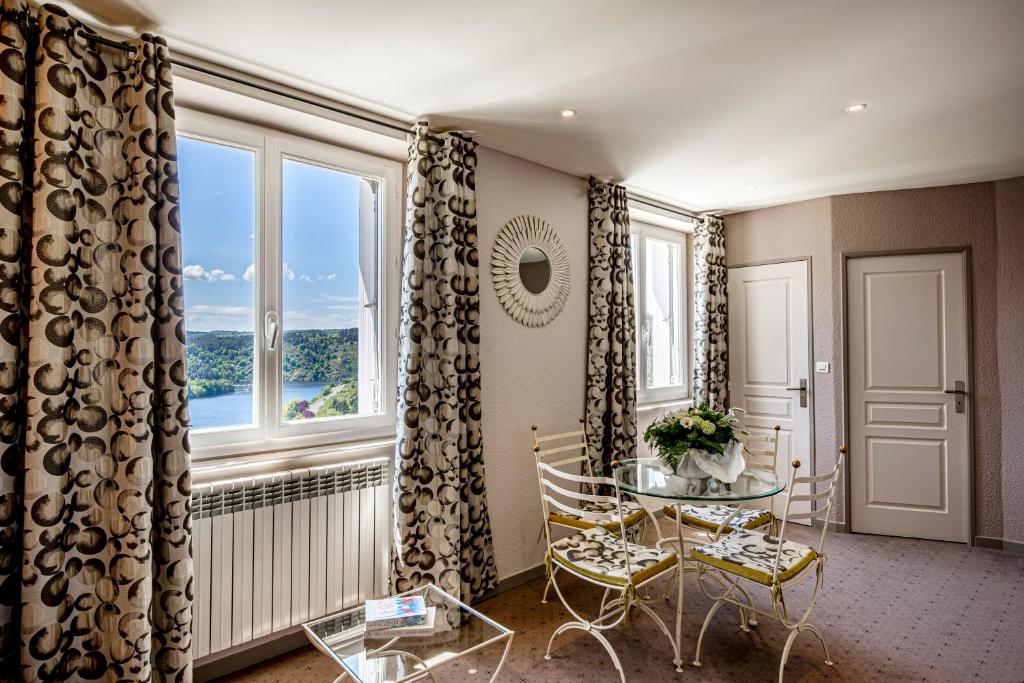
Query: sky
pixel 320 227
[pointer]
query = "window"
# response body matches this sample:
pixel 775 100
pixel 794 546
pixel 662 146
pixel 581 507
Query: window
pixel 288 289
pixel 661 298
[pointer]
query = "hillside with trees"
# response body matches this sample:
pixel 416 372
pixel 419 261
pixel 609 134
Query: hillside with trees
pixel 220 362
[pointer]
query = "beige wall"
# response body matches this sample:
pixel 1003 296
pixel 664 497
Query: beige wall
pixel 953 216
pixel 1009 196
pixel 529 375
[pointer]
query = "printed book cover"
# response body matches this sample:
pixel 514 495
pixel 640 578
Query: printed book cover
pixel 408 610
pixel 424 629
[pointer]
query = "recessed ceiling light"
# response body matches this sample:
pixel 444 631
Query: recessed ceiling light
pixel 568 113
pixel 854 108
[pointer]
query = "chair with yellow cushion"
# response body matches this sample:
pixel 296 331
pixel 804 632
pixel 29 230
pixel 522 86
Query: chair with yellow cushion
pixel 775 563
pixel 761 452
pixel 571 450
pixel 601 557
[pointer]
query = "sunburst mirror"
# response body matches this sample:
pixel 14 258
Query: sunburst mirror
pixel 530 269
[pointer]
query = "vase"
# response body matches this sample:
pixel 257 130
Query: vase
pixel 688 467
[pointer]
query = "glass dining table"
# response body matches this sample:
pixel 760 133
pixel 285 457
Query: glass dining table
pixel 651 478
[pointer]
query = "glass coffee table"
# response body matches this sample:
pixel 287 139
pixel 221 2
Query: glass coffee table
pixel 377 657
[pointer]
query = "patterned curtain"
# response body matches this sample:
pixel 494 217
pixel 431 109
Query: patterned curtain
pixel 710 341
pixel 95 566
pixel 442 529
pixel 611 353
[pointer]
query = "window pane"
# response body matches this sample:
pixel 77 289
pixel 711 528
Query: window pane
pixel 329 316
pixel 662 294
pixel 218 230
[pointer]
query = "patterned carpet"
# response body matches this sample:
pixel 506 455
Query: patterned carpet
pixel 892 609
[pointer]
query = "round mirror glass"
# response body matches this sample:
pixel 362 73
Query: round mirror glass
pixel 534 270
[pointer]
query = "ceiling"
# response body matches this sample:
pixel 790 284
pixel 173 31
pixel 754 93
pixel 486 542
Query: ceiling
pixel 720 105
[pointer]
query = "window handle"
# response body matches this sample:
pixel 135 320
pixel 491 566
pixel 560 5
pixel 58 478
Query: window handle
pixel 271 330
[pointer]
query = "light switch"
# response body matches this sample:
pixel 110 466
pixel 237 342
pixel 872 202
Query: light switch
pixel 822 367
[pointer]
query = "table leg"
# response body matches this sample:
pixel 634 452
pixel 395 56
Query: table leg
pixel 679 596
pixel 504 656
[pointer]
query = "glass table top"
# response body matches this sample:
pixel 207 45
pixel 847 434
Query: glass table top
pixel 652 477
pixel 383 657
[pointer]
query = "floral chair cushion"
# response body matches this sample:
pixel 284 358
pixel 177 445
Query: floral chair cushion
pixel 751 554
pixel 609 518
pixel 708 517
pixel 601 556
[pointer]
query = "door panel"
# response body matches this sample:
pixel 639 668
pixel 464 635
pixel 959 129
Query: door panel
pixel 907 346
pixel 769 352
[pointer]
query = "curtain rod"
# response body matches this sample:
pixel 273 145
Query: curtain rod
pixel 123 45
pixel 368 118
pixel 664 207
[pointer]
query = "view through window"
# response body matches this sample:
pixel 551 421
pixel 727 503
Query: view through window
pixel 660 298
pixel 218 218
pixel 324 293
pixel 281 311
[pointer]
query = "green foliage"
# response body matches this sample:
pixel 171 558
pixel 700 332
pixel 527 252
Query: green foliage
pixel 309 356
pixel 332 401
pixel 699 427
pixel 201 388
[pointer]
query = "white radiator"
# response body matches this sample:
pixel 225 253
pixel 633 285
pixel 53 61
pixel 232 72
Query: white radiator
pixel 274 551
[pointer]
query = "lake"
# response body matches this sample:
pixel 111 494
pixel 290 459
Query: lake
pixel 228 410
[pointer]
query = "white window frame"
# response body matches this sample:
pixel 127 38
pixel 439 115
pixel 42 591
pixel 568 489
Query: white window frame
pixel 271 432
pixel 683 310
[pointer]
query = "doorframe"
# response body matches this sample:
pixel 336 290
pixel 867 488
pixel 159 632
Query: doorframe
pixel 966 257
pixel 810 341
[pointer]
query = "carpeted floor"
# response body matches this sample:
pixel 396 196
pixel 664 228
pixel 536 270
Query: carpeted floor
pixel 892 609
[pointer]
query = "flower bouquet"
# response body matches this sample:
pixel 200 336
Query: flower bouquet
pixel 699 442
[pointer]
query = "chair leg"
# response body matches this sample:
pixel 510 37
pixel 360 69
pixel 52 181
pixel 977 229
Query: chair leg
pixel 573 625
pixel 707 620
pixel 814 629
pixel 752 620
pixel 544 598
pixel 785 651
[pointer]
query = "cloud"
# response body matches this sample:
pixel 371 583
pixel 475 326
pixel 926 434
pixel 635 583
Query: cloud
pixel 288 273
pixel 319 319
pixel 305 278
pixel 216 317
pixel 326 277
pixel 213 309
pixel 338 299
pixel 249 273
pixel 198 272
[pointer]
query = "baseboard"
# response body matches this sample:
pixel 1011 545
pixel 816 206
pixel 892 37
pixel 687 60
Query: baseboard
pixel 1012 547
pixel 514 581
pixel 242 656
pixel 225 662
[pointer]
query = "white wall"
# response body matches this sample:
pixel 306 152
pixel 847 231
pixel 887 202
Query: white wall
pixel 529 375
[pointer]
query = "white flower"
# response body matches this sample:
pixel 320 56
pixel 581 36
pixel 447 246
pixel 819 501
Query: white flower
pixel 687 421
pixel 708 427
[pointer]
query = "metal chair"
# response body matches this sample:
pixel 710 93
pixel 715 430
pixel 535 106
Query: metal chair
pixel 761 452
pixel 600 557
pixel 570 450
pixel 771 562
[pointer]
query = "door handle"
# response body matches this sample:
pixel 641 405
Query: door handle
pixel 803 392
pixel 959 390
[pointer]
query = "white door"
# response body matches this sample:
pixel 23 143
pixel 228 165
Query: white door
pixel 770 361
pixel 908 432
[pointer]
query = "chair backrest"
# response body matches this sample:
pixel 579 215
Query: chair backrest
pixel 821 501
pixel 564 449
pixel 761 451
pixel 566 491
